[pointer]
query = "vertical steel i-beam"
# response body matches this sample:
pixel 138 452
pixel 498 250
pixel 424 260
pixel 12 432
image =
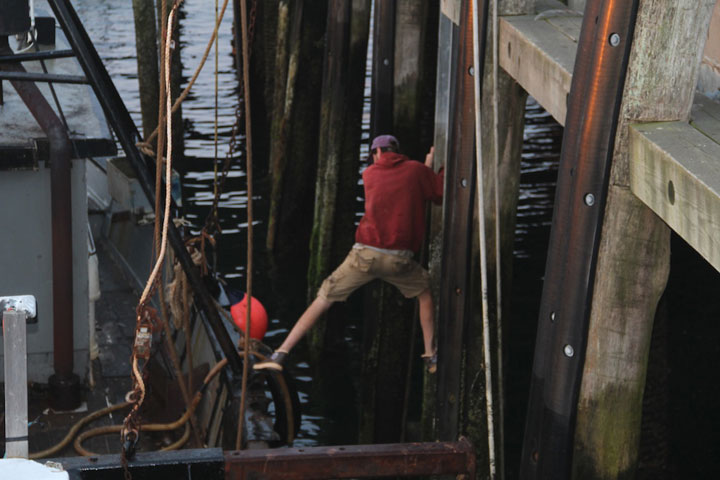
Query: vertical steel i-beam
pixel 454 304
pixel 590 126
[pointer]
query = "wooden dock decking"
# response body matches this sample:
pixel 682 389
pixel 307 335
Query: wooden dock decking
pixel 675 170
pixel 674 166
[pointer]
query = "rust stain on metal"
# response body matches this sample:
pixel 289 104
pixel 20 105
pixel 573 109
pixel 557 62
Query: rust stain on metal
pixel 356 461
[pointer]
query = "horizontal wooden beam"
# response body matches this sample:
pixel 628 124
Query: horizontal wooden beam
pixel 675 170
pixel 538 51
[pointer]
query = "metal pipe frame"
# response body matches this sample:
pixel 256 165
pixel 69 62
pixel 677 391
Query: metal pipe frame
pixel 33 56
pixel 61 215
pixel 41 77
pixel 128 135
pixel 588 141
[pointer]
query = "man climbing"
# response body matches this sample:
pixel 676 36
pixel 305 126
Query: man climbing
pixel 389 234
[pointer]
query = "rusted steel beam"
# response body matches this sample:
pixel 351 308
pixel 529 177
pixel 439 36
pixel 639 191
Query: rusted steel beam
pixel 454 305
pixel 588 141
pixel 357 461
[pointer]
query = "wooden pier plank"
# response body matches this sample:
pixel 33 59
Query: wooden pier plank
pixel 539 55
pixel 674 171
pixel 568 25
pixel 705 116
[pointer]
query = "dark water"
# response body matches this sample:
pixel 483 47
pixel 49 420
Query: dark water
pixel 686 366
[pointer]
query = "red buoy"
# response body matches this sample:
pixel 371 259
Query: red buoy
pixel 258 317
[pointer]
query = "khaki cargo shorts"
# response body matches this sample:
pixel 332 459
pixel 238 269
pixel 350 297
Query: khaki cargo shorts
pixel 365 264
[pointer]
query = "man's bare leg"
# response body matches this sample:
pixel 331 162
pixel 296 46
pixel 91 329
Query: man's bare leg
pixel 304 323
pixel 427 322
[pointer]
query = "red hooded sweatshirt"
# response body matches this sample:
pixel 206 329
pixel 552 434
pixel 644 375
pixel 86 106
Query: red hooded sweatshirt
pixel 396 190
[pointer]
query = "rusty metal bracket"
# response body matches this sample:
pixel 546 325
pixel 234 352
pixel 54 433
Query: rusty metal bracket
pixel 351 461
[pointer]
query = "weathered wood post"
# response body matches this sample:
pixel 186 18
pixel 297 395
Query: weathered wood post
pixel 264 33
pixel 399 78
pixel 633 259
pixel 287 49
pixel 338 146
pixel 293 154
pixel 147 61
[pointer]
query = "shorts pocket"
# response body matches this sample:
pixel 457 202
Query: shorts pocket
pixel 360 262
pixel 402 265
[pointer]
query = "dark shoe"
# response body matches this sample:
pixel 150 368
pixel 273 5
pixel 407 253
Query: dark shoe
pixel 430 362
pixel 275 362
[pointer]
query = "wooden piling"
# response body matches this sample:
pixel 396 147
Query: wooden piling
pixel 147 61
pixel 411 43
pixel 401 77
pixel 286 56
pixel 295 185
pixel 338 152
pixel 633 259
pixel 502 160
pixel 263 27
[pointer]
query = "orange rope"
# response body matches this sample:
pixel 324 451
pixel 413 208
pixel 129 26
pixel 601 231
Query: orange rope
pixel 248 150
